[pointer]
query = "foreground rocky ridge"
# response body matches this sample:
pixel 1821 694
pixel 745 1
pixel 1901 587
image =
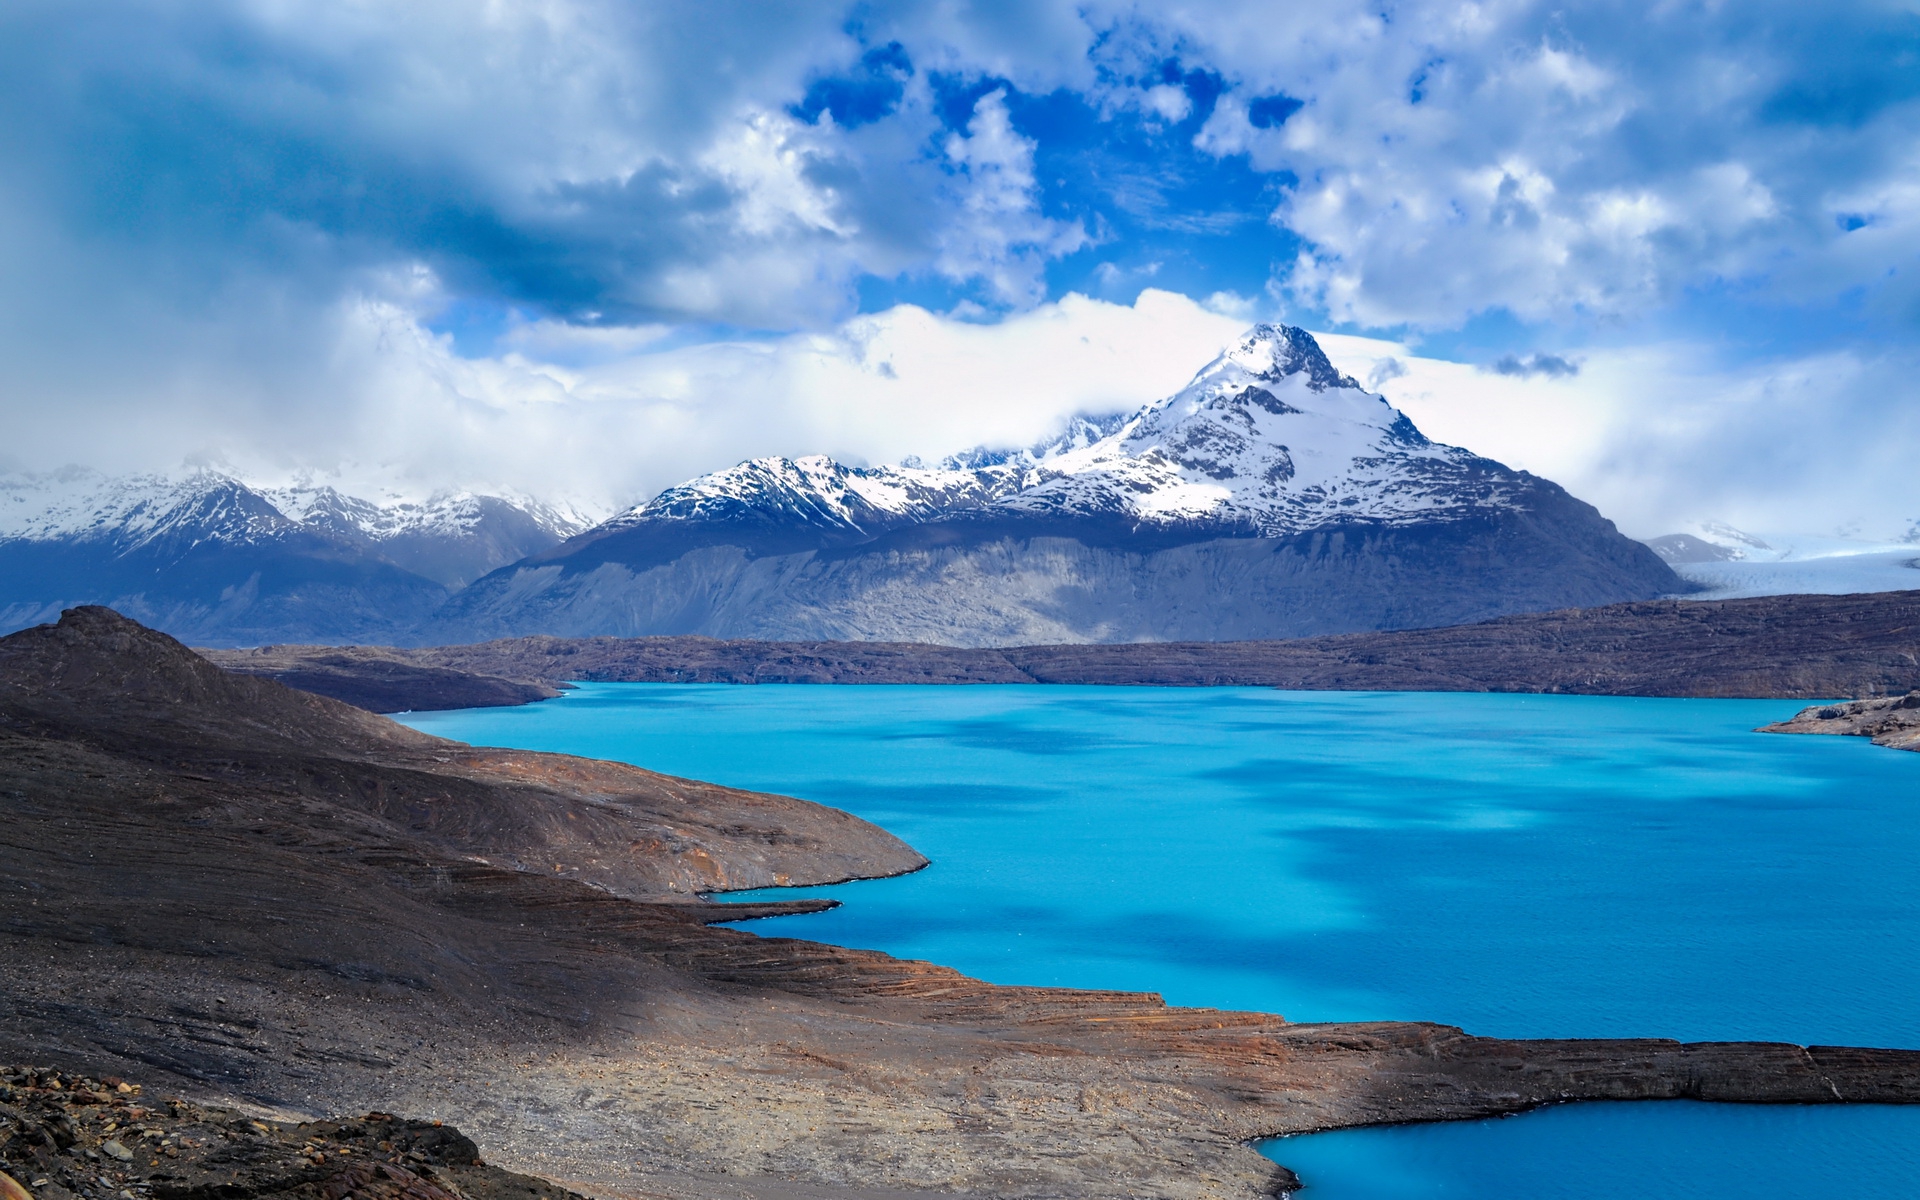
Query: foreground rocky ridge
pixel 66 1135
pixel 231 889
pixel 1775 646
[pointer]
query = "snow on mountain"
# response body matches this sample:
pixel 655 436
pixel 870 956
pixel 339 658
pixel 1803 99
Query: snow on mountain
pixel 1726 563
pixel 817 492
pixel 133 512
pixel 1269 438
pixel 1081 432
pixel 446 514
pixel 208 557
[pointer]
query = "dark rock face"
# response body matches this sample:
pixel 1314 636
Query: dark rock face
pixel 224 887
pixel 1770 646
pixel 69 1136
pixel 979 581
pixel 283 583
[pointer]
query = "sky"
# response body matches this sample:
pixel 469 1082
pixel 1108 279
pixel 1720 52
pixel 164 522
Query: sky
pixel 1663 253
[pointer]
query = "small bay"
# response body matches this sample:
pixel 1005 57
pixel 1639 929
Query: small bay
pixel 1524 866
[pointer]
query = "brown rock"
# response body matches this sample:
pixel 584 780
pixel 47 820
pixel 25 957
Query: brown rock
pixel 1893 721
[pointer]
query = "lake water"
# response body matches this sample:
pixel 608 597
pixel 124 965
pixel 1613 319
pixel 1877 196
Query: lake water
pixel 1524 866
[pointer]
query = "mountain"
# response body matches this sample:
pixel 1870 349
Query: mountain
pixel 452 538
pixel 211 559
pixel 1271 497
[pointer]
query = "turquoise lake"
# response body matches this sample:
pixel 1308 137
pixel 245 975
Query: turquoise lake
pixel 1525 866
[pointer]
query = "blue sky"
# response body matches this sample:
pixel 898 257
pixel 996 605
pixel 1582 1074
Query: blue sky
pixel 602 246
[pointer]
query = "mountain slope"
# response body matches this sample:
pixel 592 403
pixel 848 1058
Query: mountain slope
pixel 209 558
pixel 1272 497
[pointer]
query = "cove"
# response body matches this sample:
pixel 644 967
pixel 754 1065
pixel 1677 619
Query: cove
pixel 1526 866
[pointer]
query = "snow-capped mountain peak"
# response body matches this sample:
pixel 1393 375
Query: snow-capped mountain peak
pixel 817 492
pixel 1269 438
pixel 1270 353
pixel 133 511
pixel 451 538
pixel 444 514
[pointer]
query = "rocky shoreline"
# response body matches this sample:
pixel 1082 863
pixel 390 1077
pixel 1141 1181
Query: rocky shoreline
pixel 245 894
pixel 1794 647
pixel 1891 721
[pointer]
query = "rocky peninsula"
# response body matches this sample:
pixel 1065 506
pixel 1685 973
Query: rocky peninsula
pixel 245 894
pixel 1794 647
pixel 1892 721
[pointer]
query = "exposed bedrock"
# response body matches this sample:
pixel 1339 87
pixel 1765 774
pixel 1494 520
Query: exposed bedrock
pixel 66 1135
pixel 1892 721
pixel 977 584
pixel 222 886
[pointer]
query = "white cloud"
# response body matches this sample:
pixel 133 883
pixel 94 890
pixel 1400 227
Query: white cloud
pixel 221 225
pixel 1568 161
pixel 1000 235
pixel 1661 436
pixel 589 417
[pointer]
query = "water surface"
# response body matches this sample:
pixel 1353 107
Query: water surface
pixel 1517 865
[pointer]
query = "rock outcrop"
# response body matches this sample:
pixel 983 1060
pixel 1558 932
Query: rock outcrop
pixel 1892 721
pixel 68 1136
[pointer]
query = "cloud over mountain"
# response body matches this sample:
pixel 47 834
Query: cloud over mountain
pixel 318 234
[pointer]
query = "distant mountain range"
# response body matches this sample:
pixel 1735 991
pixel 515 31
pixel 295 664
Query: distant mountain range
pixel 1271 497
pixel 211 559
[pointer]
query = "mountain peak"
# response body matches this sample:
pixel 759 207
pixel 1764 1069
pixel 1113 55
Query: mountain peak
pixel 1270 353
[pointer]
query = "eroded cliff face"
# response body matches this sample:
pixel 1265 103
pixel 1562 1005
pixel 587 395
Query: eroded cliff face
pixel 223 887
pixel 1018 583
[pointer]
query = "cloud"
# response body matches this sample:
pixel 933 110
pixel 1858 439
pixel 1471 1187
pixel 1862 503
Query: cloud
pixel 1000 237
pixel 1551 365
pixel 603 417
pixel 1562 162
pixel 548 241
pixel 1664 435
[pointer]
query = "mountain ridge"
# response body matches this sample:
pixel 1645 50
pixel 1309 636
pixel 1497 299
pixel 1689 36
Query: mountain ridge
pixel 218 560
pixel 1272 496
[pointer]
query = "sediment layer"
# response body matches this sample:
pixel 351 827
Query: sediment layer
pixel 234 890
pixel 1796 647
